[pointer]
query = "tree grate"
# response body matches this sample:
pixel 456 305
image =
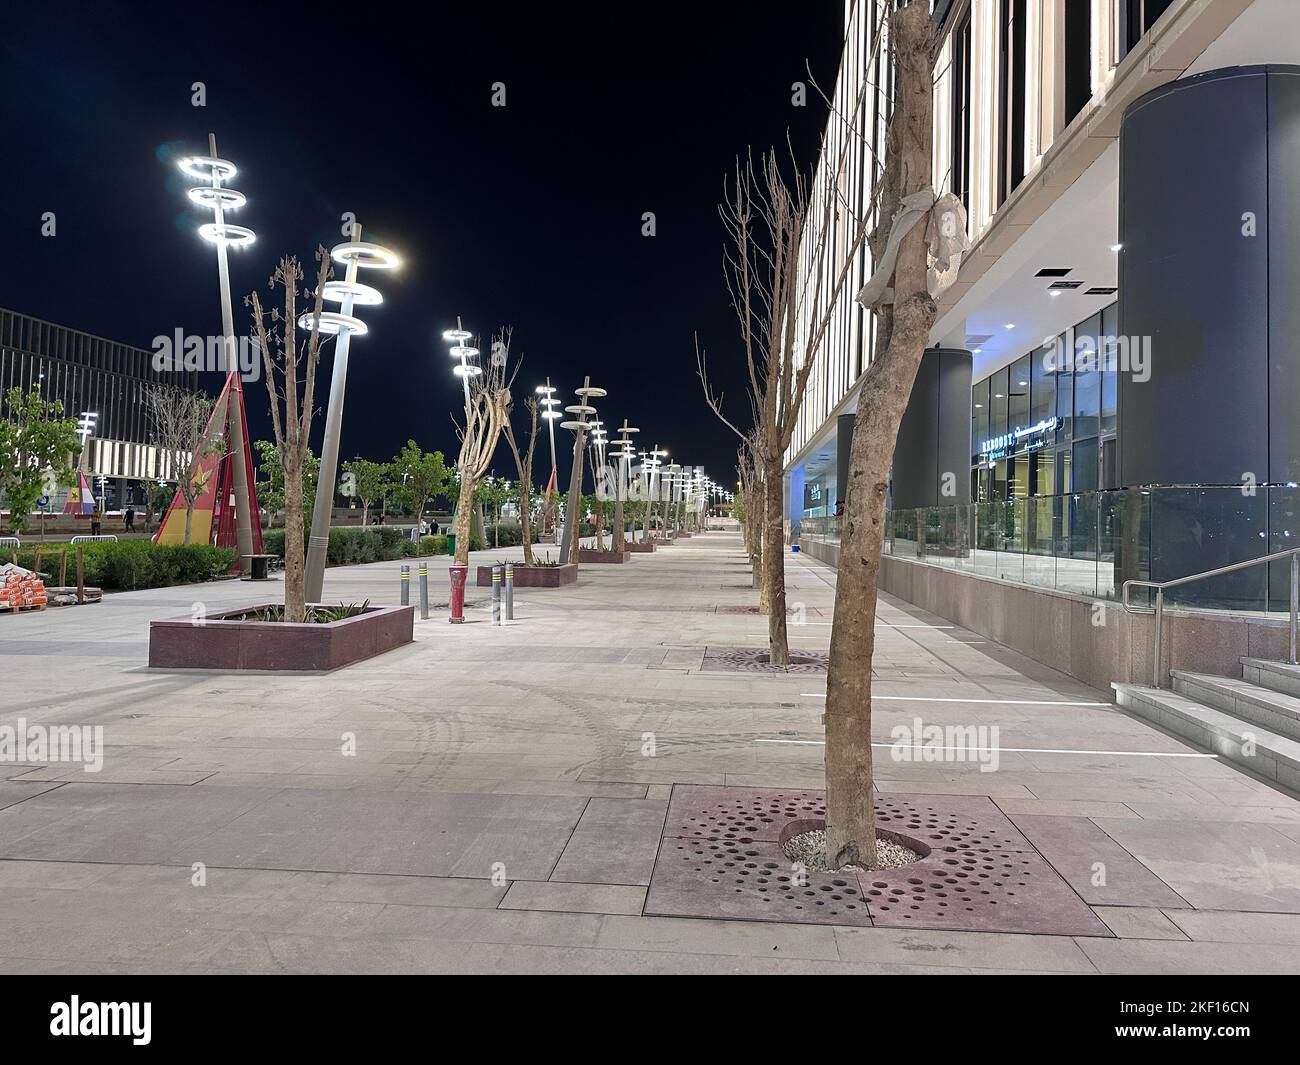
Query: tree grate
pixel 722 857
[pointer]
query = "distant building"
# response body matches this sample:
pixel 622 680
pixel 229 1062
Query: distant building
pixel 91 373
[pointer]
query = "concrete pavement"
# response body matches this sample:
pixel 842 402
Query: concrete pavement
pixel 491 800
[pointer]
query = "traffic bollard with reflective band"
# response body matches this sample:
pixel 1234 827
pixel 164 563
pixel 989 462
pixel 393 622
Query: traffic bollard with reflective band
pixel 406 584
pixel 424 591
pixel 457 573
pixel 496 595
pixel 510 592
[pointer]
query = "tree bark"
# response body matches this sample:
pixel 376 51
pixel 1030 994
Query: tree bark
pixel 774 568
pixel 464 508
pixel 295 572
pixel 850 810
pixel 189 519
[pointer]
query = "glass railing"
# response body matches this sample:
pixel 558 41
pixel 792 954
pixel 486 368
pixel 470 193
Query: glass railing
pixel 1091 543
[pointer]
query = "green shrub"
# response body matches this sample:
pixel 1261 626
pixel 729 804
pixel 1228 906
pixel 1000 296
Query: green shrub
pixel 506 535
pixel 433 545
pixel 131 564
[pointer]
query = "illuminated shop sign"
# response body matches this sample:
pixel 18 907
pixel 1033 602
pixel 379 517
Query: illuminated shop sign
pixel 1025 438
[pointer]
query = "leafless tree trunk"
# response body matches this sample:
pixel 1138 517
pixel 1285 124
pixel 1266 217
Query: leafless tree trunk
pixel 179 421
pixel 776 237
pixel 486 414
pixel 284 357
pixel 524 465
pixel 886 387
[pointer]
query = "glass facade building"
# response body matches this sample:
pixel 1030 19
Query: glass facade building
pixel 90 373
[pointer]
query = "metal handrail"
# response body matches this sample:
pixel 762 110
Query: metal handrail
pixel 1157 649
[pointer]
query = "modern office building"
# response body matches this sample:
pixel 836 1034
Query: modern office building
pixel 1113 390
pixel 89 373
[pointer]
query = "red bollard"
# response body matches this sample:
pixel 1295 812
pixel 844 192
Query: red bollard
pixel 458 573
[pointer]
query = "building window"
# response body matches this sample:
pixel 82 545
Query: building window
pixel 1078 58
pixel 1011 97
pixel 960 132
pixel 1137 17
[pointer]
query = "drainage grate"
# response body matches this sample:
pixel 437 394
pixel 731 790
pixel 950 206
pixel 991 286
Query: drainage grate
pixel 754 660
pixel 790 610
pixel 721 856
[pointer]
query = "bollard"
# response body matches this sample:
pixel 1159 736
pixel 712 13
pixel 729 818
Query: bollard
pixel 424 591
pixel 406 584
pixel 510 592
pixel 457 573
pixel 496 595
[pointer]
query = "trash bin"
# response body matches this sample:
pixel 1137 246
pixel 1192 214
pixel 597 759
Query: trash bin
pixel 451 544
pixel 258 567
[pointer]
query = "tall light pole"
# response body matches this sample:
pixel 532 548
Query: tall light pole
pixel 549 401
pixel 579 425
pixel 214 195
pixel 460 349
pixel 354 254
pixel 625 455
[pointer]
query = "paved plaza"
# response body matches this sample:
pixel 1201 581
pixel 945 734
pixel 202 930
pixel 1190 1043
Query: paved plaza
pixel 497 799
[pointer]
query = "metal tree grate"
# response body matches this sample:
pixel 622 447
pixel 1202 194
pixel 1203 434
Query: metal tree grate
pixel 721 856
pixel 790 610
pixel 755 660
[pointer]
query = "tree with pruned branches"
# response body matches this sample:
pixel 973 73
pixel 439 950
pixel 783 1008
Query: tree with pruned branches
pixel 778 234
pixel 524 465
pixel 289 365
pixel 487 410
pixel 178 422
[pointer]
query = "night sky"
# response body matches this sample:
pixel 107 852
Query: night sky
pixel 527 215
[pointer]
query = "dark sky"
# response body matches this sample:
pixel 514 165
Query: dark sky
pixel 527 215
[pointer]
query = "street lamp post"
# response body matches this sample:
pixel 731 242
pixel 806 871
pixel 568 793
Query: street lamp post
pixel 348 293
pixel 579 425
pixel 549 401
pixel 625 455
pixel 219 199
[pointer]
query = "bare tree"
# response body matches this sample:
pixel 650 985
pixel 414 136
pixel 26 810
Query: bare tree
pixel 524 464
pixel 905 311
pixel 777 237
pixel 179 421
pixel 290 364
pixel 487 411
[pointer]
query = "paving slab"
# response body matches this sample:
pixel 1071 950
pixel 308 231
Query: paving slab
pixel 1098 868
pixel 574 898
pixel 1216 865
pixel 615 842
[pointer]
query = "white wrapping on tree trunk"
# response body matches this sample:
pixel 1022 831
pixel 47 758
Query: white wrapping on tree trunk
pixel 945 237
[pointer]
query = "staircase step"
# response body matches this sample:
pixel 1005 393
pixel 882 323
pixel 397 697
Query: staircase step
pixel 1265 707
pixel 1269 755
pixel 1280 676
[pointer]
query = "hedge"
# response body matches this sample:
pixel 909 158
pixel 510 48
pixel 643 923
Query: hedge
pixel 375 543
pixel 131 564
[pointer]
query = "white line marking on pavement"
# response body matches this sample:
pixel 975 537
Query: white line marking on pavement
pixel 935 699
pixel 1015 750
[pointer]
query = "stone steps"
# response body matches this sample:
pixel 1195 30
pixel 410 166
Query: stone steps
pixel 1272 756
pixel 1253 704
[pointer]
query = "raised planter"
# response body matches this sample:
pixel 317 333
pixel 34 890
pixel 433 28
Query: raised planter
pixel 223 641
pixel 639 548
pixel 662 541
pixel 534 576
pixel 590 554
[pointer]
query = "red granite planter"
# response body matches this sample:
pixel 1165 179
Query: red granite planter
pixel 592 555
pixel 662 541
pixel 534 576
pixel 640 548
pixel 224 641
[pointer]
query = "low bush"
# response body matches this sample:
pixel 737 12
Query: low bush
pixel 131 564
